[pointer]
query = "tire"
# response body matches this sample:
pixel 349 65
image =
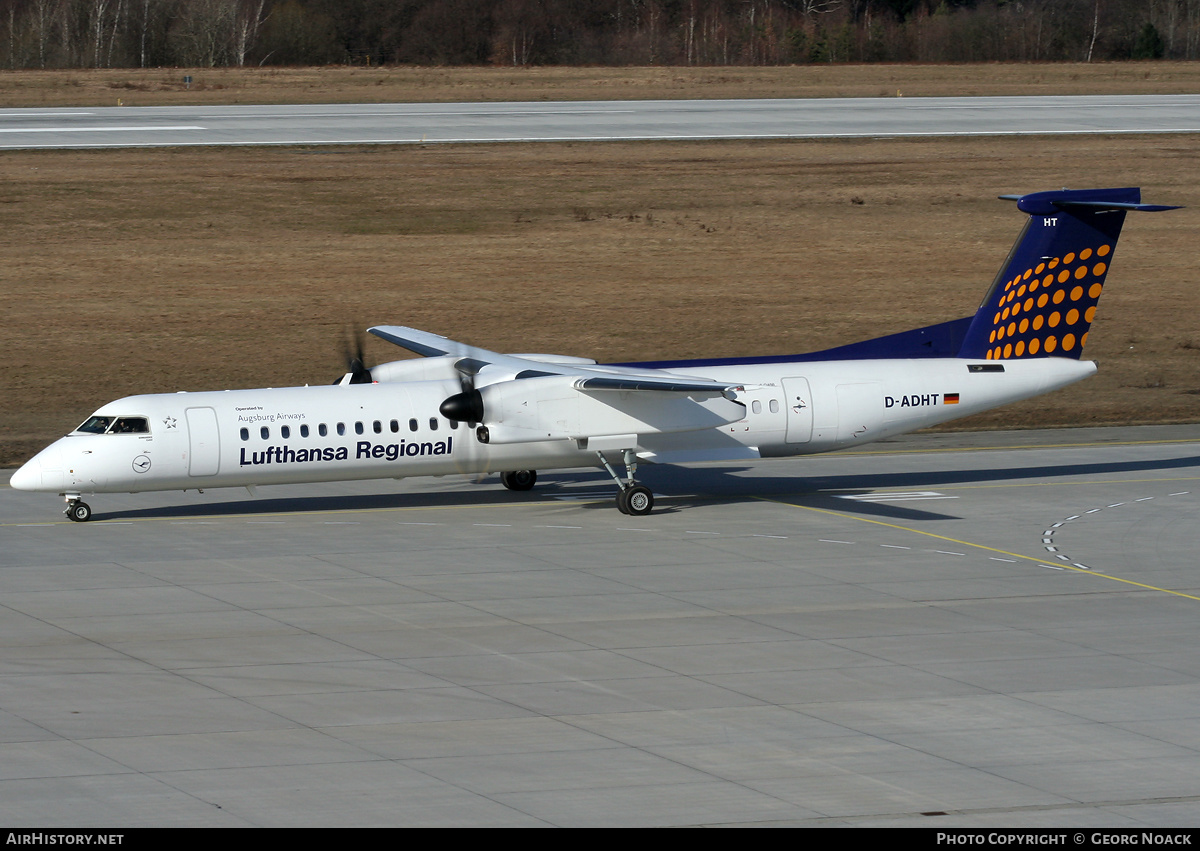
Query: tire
pixel 623 501
pixel 519 480
pixel 639 501
pixel 80 512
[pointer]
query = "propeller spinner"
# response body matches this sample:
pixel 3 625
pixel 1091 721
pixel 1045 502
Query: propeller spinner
pixel 467 406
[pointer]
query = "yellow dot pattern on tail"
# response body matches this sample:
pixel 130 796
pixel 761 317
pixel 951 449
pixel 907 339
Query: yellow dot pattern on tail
pixel 1049 308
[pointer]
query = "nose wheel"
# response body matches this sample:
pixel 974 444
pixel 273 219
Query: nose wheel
pixel 78 510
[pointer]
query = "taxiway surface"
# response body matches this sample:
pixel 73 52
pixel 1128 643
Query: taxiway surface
pixel 341 124
pixel 937 631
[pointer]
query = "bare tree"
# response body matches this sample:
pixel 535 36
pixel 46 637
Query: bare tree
pixel 203 32
pixel 1095 29
pixel 250 19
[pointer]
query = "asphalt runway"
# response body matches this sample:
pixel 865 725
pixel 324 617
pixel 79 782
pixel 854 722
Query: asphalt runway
pixel 948 630
pixel 316 124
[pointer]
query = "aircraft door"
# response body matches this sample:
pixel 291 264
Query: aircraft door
pixel 798 399
pixel 204 456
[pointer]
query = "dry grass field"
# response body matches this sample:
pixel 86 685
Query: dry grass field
pixel 164 86
pixel 136 271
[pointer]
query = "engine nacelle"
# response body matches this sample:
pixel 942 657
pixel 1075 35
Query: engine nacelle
pixel 416 369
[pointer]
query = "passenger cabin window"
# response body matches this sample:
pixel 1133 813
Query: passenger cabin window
pixel 377 426
pixel 774 406
pixel 412 424
pixel 322 430
pixel 245 434
pixel 756 406
pixel 433 423
pixel 285 432
pixel 358 428
pixel 395 424
pixel 453 424
pixel 341 429
pixel 265 432
pixel 304 431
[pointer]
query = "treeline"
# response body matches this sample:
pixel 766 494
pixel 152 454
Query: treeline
pixel 197 33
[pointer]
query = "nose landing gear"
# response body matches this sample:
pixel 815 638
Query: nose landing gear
pixel 77 510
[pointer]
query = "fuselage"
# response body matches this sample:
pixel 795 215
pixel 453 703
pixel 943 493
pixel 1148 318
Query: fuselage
pixel 239 438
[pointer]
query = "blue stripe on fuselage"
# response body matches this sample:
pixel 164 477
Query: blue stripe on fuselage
pixel 934 341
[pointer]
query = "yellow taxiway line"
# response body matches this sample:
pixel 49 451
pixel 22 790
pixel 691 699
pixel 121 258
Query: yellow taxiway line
pixel 1039 561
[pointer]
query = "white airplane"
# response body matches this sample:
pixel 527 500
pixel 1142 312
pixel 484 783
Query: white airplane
pixel 463 409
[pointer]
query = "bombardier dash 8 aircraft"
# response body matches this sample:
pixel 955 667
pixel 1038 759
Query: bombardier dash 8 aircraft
pixel 462 409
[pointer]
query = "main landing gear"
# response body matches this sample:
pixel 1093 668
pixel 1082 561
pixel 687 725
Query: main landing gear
pixel 632 498
pixel 519 480
pixel 77 510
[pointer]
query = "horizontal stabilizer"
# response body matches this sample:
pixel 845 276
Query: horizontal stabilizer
pixel 1048 203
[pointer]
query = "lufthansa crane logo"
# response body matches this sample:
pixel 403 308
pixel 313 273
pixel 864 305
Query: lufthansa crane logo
pixel 141 464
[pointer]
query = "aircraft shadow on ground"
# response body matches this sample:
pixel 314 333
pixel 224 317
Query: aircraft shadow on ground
pixel 725 483
pixel 704 485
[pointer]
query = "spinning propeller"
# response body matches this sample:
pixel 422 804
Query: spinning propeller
pixel 466 406
pixel 356 370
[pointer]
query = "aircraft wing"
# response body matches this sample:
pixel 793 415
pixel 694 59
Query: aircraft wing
pixel 473 360
pixel 526 399
pixel 429 345
pixel 589 376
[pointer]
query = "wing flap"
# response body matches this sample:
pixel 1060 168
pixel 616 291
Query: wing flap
pixel 665 384
pixel 555 407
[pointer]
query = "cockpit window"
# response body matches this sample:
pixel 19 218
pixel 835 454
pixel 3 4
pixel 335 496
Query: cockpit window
pixel 115 425
pixel 131 425
pixel 96 425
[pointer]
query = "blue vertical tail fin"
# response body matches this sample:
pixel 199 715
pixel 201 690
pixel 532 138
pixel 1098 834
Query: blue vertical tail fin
pixel 1043 301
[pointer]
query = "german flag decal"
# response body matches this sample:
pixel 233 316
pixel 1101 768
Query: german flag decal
pixel 949 398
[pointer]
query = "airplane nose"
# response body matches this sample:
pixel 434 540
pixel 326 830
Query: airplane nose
pixel 28 478
pixel 24 478
pixel 43 472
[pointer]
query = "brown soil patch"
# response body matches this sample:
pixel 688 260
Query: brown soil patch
pixel 164 86
pixel 140 271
